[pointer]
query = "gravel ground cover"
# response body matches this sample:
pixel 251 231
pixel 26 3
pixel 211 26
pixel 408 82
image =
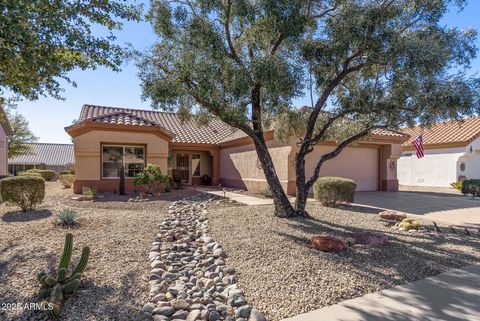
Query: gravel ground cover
pixel 282 275
pixel 119 234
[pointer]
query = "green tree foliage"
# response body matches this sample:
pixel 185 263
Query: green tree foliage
pixel 42 40
pixel 366 64
pixel 22 136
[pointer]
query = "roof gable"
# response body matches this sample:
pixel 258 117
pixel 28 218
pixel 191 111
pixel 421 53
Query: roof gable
pixel 122 118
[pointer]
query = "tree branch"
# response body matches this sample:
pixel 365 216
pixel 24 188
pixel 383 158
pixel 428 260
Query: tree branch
pixel 233 53
pixel 337 151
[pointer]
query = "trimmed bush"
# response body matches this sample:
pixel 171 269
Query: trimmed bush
pixel 67 172
pixel 471 187
pixel 331 190
pixel 47 175
pixel 29 174
pixel 67 180
pixel 23 191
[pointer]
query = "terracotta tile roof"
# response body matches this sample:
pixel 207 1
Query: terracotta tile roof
pixel 389 132
pixel 49 154
pixel 215 132
pixel 449 132
pixel 184 132
pixel 379 132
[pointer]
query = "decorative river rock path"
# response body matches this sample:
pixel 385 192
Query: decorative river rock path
pixel 189 279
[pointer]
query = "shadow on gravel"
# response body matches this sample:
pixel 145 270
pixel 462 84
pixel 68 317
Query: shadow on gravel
pixel 18 216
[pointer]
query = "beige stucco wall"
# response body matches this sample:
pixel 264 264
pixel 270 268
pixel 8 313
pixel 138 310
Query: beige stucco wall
pixel 3 152
pixel 358 163
pixel 88 156
pixel 240 165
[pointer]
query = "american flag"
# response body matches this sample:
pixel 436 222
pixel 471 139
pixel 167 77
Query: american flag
pixel 418 143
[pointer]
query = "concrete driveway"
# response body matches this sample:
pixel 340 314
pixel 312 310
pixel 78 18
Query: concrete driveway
pixel 445 207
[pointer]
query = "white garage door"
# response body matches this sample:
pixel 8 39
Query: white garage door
pixel 359 164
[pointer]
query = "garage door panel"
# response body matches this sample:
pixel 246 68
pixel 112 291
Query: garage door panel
pixel 359 164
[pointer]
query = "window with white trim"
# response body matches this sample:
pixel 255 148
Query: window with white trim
pixel 113 156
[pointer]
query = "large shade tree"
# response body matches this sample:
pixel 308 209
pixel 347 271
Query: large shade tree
pixel 366 64
pixel 42 40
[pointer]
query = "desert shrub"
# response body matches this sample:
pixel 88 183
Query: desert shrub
pixel 47 175
pixel 23 191
pixel 471 187
pixel 91 194
pixel 331 190
pixel 409 224
pixel 267 192
pixel 457 185
pixel 67 172
pixel 29 174
pixel 67 218
pixel 152 178
pixel 66 180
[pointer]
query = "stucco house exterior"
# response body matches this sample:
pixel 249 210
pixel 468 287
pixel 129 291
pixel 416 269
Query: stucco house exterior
pixel 55 157
pixel 452 153
pixel 227 156
pixel 5 131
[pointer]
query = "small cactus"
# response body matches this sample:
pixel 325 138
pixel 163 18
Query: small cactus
pixel 61 274
pixel 67 251
pixel 55 288
pixel 82 264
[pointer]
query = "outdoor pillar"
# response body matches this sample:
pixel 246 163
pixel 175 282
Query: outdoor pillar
pixel 215 153
pixel 389 155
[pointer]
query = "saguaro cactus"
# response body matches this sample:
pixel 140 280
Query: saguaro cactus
pixel 55 288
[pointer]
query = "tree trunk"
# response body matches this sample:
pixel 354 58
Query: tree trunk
pixel 301 189
pixel 121 184
pixel 283 207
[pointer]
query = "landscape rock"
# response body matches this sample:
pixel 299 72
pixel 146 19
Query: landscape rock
pixel 189 279
pixel 392 215
pixel 371 239
pixel 256 315
pixel 328 243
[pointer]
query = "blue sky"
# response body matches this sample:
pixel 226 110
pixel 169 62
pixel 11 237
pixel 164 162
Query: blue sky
pixel 48 116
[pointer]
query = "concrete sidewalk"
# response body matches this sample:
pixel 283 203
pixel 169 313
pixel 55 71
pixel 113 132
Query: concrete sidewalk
pixel 450 296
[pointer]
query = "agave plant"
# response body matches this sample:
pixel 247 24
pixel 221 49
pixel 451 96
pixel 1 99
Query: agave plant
pixel 67 218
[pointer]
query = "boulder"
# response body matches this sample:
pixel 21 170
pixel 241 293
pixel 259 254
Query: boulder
pixel 328 243
pixel 392 216
pixel 371 239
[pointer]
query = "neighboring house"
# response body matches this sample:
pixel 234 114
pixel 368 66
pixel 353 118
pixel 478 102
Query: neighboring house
pixel 55 157
pixel 5 131
pixel 224 154
pixel 452 153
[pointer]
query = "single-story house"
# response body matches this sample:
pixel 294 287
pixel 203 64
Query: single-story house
pixel 226 155
pixel 5 131
pixel 55 157
pixel 452 153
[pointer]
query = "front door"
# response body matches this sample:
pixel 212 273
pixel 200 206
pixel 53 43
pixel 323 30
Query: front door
pixel 183 165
